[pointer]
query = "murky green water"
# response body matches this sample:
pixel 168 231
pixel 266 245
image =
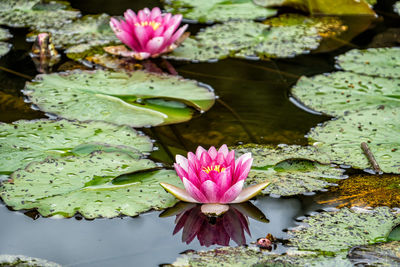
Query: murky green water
pixel 253 106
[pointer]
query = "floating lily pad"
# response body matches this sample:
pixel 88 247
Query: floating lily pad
pixel 396 7
pixel 286 36
pixel 365 191
pixel 217 10
pixel 290 169
pixel 379 128
pixel 337 231
pixel 252 256
pixel 97 185
pixel 36 14
pixel 383 254
pixel 24 261
pixel 137 99
pixel 91 30
pixel 323 7
pixel 4 47
pixel 383 62
pixel 25 141
pixel 338 93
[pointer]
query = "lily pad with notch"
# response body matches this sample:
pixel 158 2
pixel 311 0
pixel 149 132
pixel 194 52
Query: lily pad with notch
pixel 292 170
pixel 101 184
pixel 217 10
pixel 25 141
pixel 136 99
pixel 36 14
pixel 337 231
pixel 282 37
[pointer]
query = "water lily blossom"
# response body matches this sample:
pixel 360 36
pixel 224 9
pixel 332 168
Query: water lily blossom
pixel 214 177
pixel 148 33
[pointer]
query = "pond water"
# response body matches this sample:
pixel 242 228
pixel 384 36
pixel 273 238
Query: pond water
pixel 254 106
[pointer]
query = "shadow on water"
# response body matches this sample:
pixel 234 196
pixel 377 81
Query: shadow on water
pixel 253 106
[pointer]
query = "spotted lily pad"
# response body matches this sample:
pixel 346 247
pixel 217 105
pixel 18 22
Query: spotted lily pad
pixel 36 14
pixel 341 92
pixel 91 30
pixel 137 99
pixel 101 184
pixel 337 231
pixel 326 7
pixel 365 191
pixel 379 128
pixel 290 169
pixel 383 62
pixel 286 36
pixel 4 47
pixel 252 256
pixel 383 254
pixel 25 141
pixel 217 10
pixel 24 261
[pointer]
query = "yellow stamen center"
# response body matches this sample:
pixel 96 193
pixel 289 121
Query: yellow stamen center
pixel 216 168
pixel 153 24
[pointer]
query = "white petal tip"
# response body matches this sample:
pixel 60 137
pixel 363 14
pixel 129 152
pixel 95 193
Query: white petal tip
pixel 179 193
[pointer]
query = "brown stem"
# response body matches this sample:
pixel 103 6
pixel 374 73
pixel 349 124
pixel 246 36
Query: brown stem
pixel 16 73
pixel 370 157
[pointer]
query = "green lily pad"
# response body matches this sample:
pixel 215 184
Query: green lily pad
pixel 286 36
pixel 252 256
pixel 91 30
pixel 338 93
pixel 4 47
pixel 25 141
pixel 101 184
pixel 136 99
pixel 332 232
pixel 396 7
pixel 383 62
pixel 379 128
pixel 217 10
pixel 36 14
pixel 383 254
pixel 24 261
pixel 364 191
pixel 290 169
pixel 323 7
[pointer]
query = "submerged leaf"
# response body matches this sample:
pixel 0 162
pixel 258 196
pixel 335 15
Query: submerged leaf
pixel 25 261
pixel 25 141
pixel 217 10
pixel 285 36
pixel 383 254
pixel 289 169
pixel 35 14
pixel 379 128
pixel 137 99
pixel 365 191
pixel 336 231
pixel 96 185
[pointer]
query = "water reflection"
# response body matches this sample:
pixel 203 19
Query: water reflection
pixel 232 225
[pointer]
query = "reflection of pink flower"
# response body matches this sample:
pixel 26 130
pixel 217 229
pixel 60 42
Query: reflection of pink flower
pixel 214 177
pixel 229 226
pixel 149 33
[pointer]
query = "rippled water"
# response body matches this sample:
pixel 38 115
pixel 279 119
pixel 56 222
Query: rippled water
pixel 253 106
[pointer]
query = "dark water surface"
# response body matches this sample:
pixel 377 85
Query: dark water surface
pixel 253 106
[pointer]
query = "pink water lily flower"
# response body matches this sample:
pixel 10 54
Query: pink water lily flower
pixel 149 33
pixel 214 177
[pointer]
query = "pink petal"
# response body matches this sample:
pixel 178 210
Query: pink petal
pixel 212 152
pixel 193 226
pixel 205 159
pixel 225 181
pixel 230 158
pixel 250 192
pixel 243 158
pixel 174 22
pixel 223 150
pixel 155 13
pixel 194 191
pixel 232 193
pixel 199 151
pixel 178 34
pixel 180 171
pixel 234 228
pixel 179 193
pixel 244 169
pixel 210 191
pixel 166 18
pixel 130 17
pixel 182 161
pixel 154 45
